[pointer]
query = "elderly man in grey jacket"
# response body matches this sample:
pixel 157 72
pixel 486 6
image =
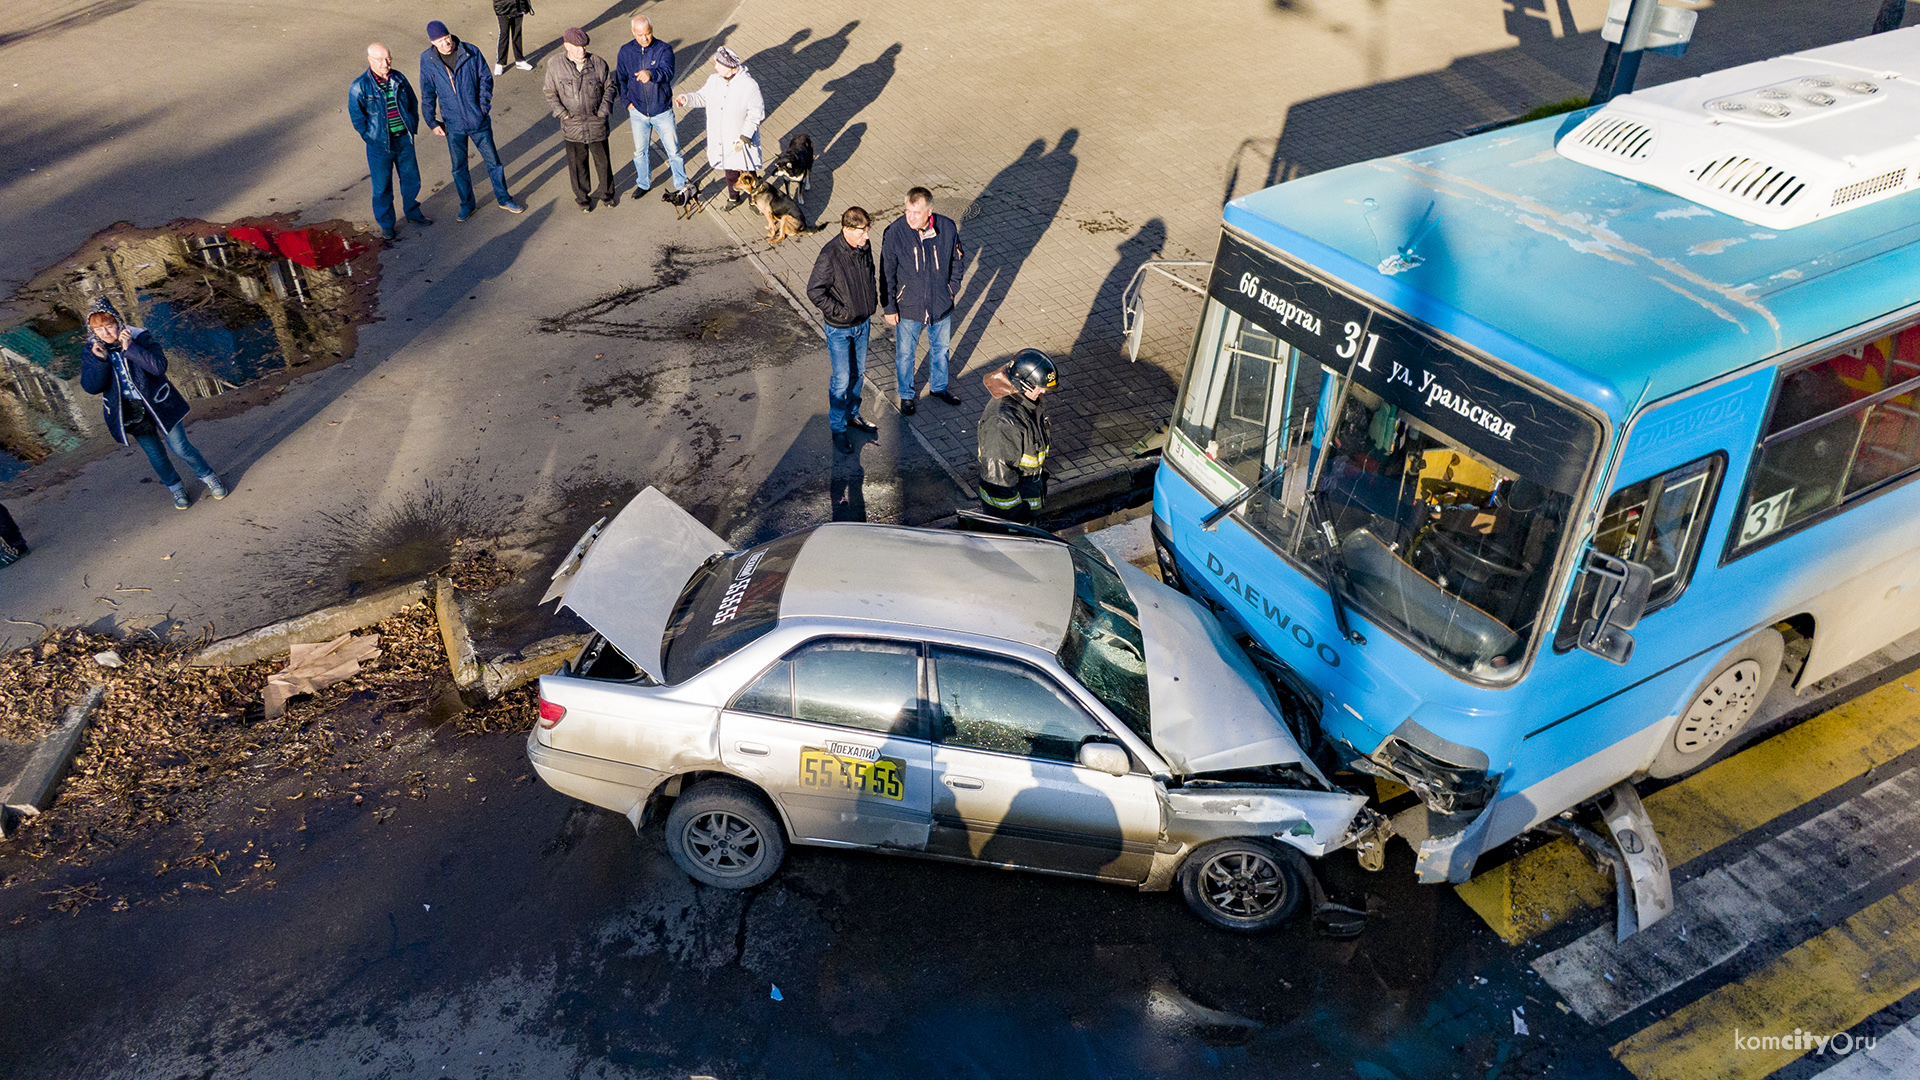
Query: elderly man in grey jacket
pixel 734 111
pixel 580 90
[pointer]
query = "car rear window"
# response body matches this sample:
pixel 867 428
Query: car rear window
pixel 727 603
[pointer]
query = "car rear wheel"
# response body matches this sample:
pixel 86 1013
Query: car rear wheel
pixel 722 833
pixel 1244 885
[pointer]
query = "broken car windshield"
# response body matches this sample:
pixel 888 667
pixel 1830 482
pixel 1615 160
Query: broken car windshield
pixel 1103 650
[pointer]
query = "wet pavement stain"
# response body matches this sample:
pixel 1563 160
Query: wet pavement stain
pixel 674 266
pixel 239 309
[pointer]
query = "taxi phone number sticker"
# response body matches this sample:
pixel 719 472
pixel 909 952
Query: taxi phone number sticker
pixel 825 769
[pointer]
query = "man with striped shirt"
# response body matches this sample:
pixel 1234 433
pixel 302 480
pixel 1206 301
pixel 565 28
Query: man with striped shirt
pixel 386 114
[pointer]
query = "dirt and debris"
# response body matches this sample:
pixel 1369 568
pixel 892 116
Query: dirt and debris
pixel 170 743
pixel 476 569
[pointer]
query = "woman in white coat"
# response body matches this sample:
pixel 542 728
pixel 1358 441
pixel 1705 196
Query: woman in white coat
pixel 734 111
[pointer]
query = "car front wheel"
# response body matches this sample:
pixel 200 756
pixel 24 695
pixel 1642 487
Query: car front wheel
pixel 1244 885
pixel 722 833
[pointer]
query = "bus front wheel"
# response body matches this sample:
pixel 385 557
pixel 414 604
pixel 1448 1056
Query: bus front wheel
pixel 1722 705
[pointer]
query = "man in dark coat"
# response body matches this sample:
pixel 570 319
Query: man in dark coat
pixel 580 90
pixel 842 288
pixel 125 365
pixel 386 114
pixel 1014 438
pixel 456 99
pixel 509 13
pixel 920 266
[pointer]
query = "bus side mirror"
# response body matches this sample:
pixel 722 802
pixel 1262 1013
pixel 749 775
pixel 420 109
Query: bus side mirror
pixel 1620 596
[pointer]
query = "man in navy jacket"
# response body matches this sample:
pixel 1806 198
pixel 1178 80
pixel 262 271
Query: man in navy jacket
pixel 386 114
pixel 456 98
pixel 920 266
pixel 644 69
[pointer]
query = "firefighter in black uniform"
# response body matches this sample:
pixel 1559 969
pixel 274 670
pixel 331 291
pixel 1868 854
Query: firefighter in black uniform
pixel 1013 440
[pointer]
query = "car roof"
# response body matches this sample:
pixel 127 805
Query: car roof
pixel 1011 588
pixel 1608 288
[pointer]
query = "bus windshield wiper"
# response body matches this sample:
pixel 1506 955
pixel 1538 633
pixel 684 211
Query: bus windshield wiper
pixel 1332 566
pixel 1212 520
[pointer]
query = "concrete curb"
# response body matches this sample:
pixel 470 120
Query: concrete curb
pixel 323 625
pixel 493 678
pixel 32 791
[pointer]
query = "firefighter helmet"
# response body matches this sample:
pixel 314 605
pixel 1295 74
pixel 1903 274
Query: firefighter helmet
pixel 1033 370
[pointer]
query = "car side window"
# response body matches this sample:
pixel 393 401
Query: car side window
pixel 988 703
pixel 847 682
pixel 1659 521
pixel 1840 426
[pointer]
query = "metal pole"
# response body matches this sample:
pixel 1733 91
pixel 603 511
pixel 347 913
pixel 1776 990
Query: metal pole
pixel 1633 45
pixel 1892 13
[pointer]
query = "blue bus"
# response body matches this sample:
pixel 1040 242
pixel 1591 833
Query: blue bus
pixel 1539 457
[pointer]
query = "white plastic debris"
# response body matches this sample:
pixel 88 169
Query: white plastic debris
pixel 429 907
pixel 107 659
pixel 1519 1021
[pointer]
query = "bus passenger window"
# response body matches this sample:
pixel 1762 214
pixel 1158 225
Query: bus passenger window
pixel 1840 426
pixel 1659 522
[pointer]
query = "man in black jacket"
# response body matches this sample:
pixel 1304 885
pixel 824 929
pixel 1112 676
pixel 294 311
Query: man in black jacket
pixel 842 288
pixel 920 266
pixel 509 13
pixel 386 113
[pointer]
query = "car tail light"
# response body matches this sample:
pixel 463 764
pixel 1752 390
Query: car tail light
pixel 551 714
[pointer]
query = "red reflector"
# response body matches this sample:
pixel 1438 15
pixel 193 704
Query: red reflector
pixel 551 714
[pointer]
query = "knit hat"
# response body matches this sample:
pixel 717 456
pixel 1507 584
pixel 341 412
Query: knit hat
pixel 727 57
pixel 575 37
pixel 437 30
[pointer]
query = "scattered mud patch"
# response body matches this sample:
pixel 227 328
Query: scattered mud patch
pixel 239 308
pixel 608 316
pixel 405 542
pixel 177 747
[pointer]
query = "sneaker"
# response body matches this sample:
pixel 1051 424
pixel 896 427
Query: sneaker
pixel 214 488
pixel 11 555
pixel 389 236
pixel 499 70
pixel 612 200
pixel 907 405
pixel 947 396
pixel 180 500
pixel 861 423
pixel 512 207
pixel 421 220
pixel 586 207
pixel 465 213
pixel 843 442
pixel 523 65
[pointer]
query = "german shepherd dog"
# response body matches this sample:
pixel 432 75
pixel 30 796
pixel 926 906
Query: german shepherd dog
pixel 783 214
pixel 792 165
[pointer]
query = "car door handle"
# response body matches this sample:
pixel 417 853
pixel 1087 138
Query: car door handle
pixel 967 782
pixel 753 748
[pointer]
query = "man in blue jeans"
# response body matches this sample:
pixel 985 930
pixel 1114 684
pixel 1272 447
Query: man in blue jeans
pixel 841 286
pixel 126 367
pixel 386 114
pixel 920 266
pixel 645 71
pixel 456 97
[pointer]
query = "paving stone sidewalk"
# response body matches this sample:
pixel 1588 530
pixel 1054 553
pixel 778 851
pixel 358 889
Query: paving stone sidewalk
pixel 1074 141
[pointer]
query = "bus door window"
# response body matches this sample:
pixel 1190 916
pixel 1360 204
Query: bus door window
pixel 1658 522
pixel 1840 426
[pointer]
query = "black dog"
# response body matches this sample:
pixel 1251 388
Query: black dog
pixel 792 165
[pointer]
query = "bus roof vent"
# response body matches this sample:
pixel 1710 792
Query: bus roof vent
pixel 1782 142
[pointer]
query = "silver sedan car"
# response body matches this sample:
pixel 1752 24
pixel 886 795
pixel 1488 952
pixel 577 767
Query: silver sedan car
pixel 1004 700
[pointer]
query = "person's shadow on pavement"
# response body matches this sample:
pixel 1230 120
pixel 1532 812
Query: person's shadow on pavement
pixel 1003 226
pixel 781 69
pixel 847 96
pixel 1102 330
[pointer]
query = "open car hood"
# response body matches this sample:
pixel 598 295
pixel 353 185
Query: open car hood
pixel 1211 709
pixel 624 576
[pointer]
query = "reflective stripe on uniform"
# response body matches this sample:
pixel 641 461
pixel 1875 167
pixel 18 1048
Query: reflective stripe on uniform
pixel 1034 460
pixel 1001 504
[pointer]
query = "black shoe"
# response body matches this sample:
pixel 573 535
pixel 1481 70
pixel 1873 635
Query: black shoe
pixel 947 396
pixel 843 442
pixel 612 200
pixel 861 423
pixel 907 405
pixel 421 220
pixel 587 207
pixel 389 236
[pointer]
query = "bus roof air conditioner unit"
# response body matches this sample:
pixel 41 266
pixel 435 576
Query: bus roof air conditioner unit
pixel 1780 143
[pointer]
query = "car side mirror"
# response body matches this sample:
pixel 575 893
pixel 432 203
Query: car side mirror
pixel 1620 593
pixel 1106 757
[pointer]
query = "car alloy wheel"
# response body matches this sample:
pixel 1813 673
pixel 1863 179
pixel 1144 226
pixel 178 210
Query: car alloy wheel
pixel 724 844
pixel 1244 885
pixel 1241 884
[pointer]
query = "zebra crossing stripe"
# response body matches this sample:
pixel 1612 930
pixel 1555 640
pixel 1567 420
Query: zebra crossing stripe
pixel 1825 985
pixel 1893 1056
pixel 1819 866
pixel 1543 887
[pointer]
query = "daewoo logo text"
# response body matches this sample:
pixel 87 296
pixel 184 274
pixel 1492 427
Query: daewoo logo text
pixel 1263 608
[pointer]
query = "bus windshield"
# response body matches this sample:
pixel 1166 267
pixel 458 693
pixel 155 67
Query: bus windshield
pixel 1434 491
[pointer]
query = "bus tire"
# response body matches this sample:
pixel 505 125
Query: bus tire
pixel 1720 707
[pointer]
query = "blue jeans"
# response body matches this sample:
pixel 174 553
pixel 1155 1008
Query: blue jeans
pixel 906 341
pixel 496 172
pixel 177 441
pixel 848 348
pixel 643 148
pixel 382 163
